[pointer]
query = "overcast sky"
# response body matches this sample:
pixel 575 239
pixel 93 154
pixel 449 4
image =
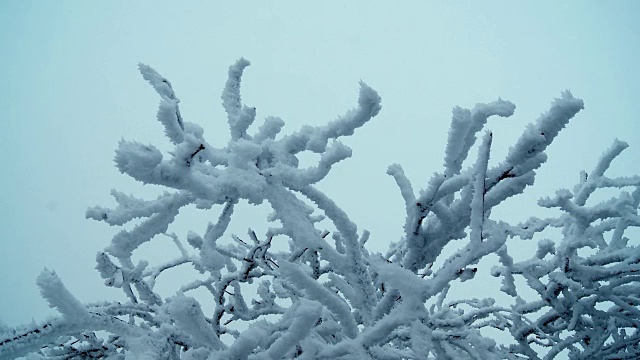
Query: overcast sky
pixel 70 90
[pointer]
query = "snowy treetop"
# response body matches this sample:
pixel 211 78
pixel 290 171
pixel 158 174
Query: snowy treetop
pixel 327 296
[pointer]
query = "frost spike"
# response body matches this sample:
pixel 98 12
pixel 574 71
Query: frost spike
pixel 60 298
pixel 239 117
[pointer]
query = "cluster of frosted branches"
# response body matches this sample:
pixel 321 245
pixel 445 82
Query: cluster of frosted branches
pixel 588 283
pixel 327 297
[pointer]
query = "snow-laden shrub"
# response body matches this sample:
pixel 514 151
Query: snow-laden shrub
pixel 327 297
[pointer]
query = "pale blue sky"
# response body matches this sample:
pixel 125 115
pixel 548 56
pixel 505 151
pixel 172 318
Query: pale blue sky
pixel 70 90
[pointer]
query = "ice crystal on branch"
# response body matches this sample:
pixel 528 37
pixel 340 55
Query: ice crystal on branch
pixel 327 296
